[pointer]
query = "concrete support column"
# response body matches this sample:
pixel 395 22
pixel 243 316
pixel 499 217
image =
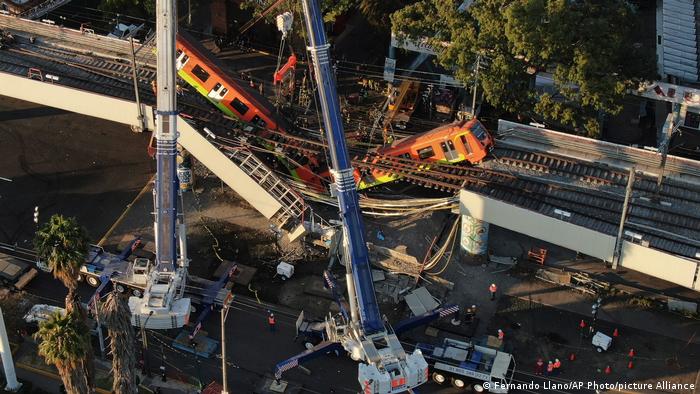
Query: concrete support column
pixel 7 363
pixel 474 239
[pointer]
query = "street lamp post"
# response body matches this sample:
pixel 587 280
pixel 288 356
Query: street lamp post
pixel 476 84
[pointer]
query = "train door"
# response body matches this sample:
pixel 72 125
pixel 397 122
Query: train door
pixel 475 151
pixel 448 148
pixel 467 148
pixel 218 92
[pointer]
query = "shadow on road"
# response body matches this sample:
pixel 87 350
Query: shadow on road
pixel 30 113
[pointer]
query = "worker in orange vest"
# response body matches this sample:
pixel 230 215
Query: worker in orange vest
pixel 556 365
pixel 539 367
pixel 492 290
pixel 550 368
pixel 271 322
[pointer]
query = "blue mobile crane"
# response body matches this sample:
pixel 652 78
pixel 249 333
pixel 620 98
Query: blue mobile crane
pixel 384 365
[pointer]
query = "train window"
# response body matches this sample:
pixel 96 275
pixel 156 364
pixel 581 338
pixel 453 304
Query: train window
pixel 467 147
pixel 426 153
pixel 200 73
pixel 182 59
pixel 259 122
pixel 406 155
pixel 479 131
pixel 239 106
pixel 450 145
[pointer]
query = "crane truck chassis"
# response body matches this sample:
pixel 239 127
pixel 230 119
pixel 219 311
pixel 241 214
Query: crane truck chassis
pixel 463 362
pixel 132 276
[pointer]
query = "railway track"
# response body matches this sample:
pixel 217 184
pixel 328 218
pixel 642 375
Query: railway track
pixel 18 252
pixel 540 182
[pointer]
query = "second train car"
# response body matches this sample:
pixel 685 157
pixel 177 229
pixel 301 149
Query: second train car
pixel 456 142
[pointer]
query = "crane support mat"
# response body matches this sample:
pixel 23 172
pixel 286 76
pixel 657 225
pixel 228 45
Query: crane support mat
pixel 463 330
pixel 268 385
pixel 204 346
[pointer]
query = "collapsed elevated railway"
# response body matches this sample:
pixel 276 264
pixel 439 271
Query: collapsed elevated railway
pixel 666 216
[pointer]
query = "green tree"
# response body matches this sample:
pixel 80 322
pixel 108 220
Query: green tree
pixel 64 341
pixel 376 11
pixel 137 8
pixel 117 318
pixel 587 45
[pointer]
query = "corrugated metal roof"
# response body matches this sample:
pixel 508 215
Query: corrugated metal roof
pixel 680 39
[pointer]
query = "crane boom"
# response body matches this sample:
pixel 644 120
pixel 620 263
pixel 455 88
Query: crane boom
pixel 353 226
pixel 162 305
pixel 386 368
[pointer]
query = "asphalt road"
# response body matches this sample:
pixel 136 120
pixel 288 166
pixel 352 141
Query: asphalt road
pixel 65 163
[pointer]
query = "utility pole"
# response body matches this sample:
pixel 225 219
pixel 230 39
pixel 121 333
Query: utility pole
pixel 144 347
pixel 618 242
pixel 100 336
pixel 140 117
pixel 476 84
pixel 224 369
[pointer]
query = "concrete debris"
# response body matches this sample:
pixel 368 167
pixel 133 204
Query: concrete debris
pixel 394 261
pixel 392 287
pixel 682 306
pixel 378 275
pixel 420 301
pixel 575 280
pixel 503 260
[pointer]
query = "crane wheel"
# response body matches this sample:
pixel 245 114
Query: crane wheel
pixel 92 281
pixel 438 378
pixel 458 383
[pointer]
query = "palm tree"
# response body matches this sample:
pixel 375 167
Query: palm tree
pixel 63 244
pixel 117 318
pixel 65 343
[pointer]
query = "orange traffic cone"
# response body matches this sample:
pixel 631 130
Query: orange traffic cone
pixel 608 370
pixel 572 356
pixel 615 333
pixel 630 365
pixel 632 353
